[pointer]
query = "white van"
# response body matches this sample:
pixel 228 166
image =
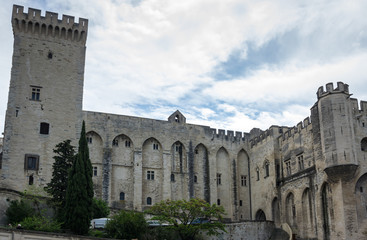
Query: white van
pixel 99 222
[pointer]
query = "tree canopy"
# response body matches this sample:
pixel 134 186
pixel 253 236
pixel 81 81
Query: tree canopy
pixel 79 193
pixel 126 225
pixel 188 218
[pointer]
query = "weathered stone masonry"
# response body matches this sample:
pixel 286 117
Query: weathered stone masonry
pixel 311 177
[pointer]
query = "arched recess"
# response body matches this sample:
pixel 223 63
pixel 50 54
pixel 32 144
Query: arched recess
pixel 122 173
pixel 178 158
pixel 36 28
pixel 290 209
pixel 179 167
pixel 260 215
pixel 307 218
pixel 326 207
pixel 76 35
pixel 152 171
pixel 49 30
pixel 275 211
pixel 16 23
pixel 152 153
pixel 122 150
pixel 57 32
pixel 364 144
pixel 30 27
pixel 95 144
pixel 223 178
pixel 243 179
pixel 201 171
pixel 43 29
pixel 361 199
pixel 23 26
pixel 63 33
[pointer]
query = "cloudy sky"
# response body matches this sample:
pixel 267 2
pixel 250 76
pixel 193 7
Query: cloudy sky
pixel 230 64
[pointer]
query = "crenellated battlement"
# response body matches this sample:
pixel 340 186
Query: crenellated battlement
pixel 358 109
pixel 229 135
pixel 49 25
pixel 296 129
pixel 258 136
pixel 341 88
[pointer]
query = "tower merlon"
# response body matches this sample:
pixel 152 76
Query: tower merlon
pixel 341 88
pixel 49 25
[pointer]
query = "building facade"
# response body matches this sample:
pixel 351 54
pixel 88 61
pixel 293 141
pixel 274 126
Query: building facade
pixel 311 177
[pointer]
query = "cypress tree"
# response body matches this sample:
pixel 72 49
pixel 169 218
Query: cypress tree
pixel 79 194
pixel 57 187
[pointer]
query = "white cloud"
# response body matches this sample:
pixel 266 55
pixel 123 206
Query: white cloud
pixel 162 53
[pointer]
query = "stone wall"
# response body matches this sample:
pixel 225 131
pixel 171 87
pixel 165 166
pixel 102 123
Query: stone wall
pixel 248 230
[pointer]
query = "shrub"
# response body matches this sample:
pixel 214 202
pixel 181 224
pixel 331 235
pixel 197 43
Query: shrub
pixel 100 208
pixel 126 225
pixel 18 210
pixel 40 223
pixel 154 233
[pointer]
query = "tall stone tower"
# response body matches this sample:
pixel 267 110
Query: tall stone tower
pixel 45 95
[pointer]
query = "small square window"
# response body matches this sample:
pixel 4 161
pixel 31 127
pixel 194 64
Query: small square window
pixel 155 146
pixel 31 162
pixel 127 143
pixel 115 142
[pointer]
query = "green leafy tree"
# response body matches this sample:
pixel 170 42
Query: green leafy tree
pixel 57 187
pixel 79 193
pixel 188 218
pixel 126 225
pixel 18 210
pixel 100 208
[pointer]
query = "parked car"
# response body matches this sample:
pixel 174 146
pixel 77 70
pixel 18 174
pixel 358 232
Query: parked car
pixel 99 222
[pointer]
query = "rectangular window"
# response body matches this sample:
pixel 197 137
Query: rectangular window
pixel 243 181
pixel 89 139
pixel 31 162
pixel 127 143
pixel 288 167
pixel 44 128
pixel 267 169
pixel 219 178
pixel 155 146
pixel 95 169
pixel 301 165
pixel 36 93
pixel 115 142
pixel 257 174
pixel 150 175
